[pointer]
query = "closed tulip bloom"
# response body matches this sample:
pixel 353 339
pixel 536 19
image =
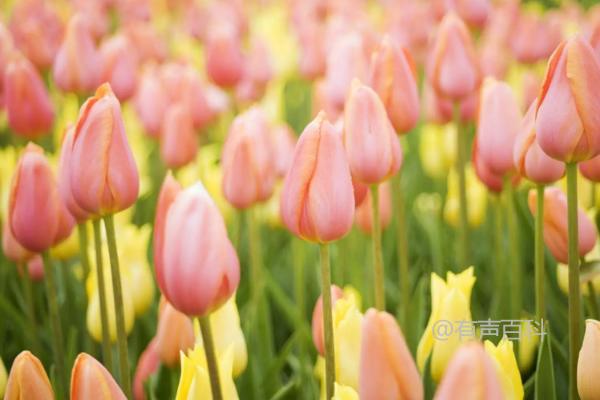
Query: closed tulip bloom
pixel 150 103
pixel 119 66
pixel 555 224
pixel 64 178
pixel 174 333
pixel 393 77
pixel 588 368
pixel 530 160
pixel 372 146
pixel 35 268
pixel 284 145
pixel 11 248
pixel 106 178
pixel 224 58
pixel 494 182
pixel 497 126
pixel 387 369
pixel 147 365
pixel 248 160
pixel 590 169
pixel 178 142
pixel 453 68
pixel 77 64
pixel 471 375
pixel 474 12
pixel 28 107
pixel 506 367
pixel 317 318
pixel 28 380
pixel 567 122
pixel 534 37
pixel 91 381
pixel 317 200
pixel 197 278
pixel 364 212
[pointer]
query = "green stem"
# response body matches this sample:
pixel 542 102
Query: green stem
pixel 299 276
pixel 28 294
pixel 513 241
pixel 256 281
pixel 499 256
pixel 83 249
pixel 211 358
pixel 57 336
pixel 118 301
pixel 403 275
pixel 593 303
pixel 574 295
pixel 106 350
pixel 377 252
pixel 540 310
pixel 461 144
pixel 327 321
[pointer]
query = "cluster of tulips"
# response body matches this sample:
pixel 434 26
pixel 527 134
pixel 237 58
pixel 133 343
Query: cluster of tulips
pixel 176 144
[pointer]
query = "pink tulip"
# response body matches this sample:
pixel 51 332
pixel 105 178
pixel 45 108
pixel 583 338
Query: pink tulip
pixel 530 161
pixel 470 375
pixel 90 380
pixel 35 212
pixel 119 66
pixel 28 379
pixel 555 224
pixel 494 182
pixel 393 77
pixel 248 160
pixel 64 178
pixel 11 248
pixel 179 142
pixel 531 88
pixel 224 58
pixel 196 277
pixel 174 334
pixel 150 102
pixel 35 268
pixel 372 146
pixel 453 69
pixel 317 200
pixel 77 64
pixel 497 126
pixel 28 106
pixel 387 369
pixel 284 141
pixel 312 50
pixel 568 109
pixel 440 110
pixel 493 57
pixel 147 41
pixel 473 12
pixel 317 318
pixel 147 366
pixel 534 38
pixel 364 212
pixel 590 169
pixel 104 177
pixel 258 71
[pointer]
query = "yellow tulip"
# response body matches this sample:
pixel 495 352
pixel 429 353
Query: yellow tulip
pixel 8 161
pixel 194 382
pixel 506 365
pixel 528 344
pixel 450 302
pixel 67 248
pixel 437 148
pixel 342 392
pixel 476 198
pixel 3 378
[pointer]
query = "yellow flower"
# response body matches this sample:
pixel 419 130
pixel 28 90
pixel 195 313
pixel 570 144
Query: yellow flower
pixel 450 304
pixel 3 378
pixel 437 148
pixel 528 343
pixel 506 365
pixel 8 161
pixel 476 198
pixel 194 382
pixel 67 248
pixel 342 392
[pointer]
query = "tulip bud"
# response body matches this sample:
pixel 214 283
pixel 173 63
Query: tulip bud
pixel 77 64
pixel 35 268
pixel 547 34
pixel 373 149
pixel 506 366
pixel 224 59
pixel 317 200
pixel 590 169
pixel 196 278
pixel 556 227
pixel 387 369
pixel 497 126
pixel 567 124
pixel 104 177
pixel 28 379
pixel 530 161
pixel 147 365
pixel 494 182
pixel 364 212
pixel 453 68
pixel 119 66
pixel 588 368
pixel 248 160
pixel 91 381
pixel 150 103
pixel 29 109
pixel 64 178
pixel 317 318
pixel 471 374
pixel 393 77
pixel 174 333
pixel 178 142
pixel 284 145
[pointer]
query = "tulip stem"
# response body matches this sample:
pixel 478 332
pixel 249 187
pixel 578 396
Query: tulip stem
pixel 327 320
pixel 118 301
pixel 540 310
pixel 211 358
pixel 402 252
pixel 574 295
pixel 57 335
pixel 28 292
pixel 83 249
pixel 513 240
pixel 106 350
pixel 377 253
pixel 461 147
pixel 499 255
pixel 593 303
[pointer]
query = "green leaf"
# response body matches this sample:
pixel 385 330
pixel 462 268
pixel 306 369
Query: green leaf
pixel 416 314
pixel 545 387
pixel 429 385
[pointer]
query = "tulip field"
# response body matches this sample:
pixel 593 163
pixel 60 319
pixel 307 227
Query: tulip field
pixel 316 199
